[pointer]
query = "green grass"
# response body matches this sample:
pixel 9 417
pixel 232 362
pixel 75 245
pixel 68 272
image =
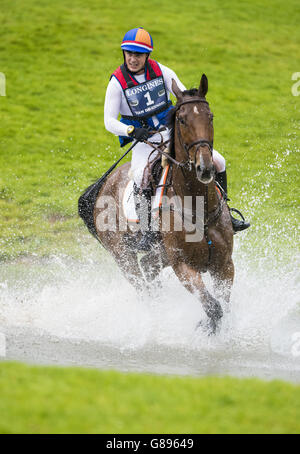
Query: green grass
pixel 58 400
pixel 57 57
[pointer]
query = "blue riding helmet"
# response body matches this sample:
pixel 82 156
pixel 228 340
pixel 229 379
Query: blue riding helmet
pixel 137 40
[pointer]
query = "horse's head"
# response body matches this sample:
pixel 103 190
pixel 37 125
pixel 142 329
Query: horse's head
pixel 193 126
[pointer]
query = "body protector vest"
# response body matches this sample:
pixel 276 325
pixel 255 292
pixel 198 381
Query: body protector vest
pixel 144 99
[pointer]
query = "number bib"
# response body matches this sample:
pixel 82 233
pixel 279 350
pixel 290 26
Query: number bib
pixel 147 98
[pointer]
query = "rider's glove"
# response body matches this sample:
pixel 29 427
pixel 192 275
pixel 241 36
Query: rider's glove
pixel 139 133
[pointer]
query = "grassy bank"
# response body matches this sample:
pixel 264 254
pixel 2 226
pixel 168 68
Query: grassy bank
pixel 58 400
pixel 57 58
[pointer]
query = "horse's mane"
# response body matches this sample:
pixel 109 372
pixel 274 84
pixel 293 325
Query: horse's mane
pixel 171 121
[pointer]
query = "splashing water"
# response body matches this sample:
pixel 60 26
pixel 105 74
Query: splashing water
pixel 85 313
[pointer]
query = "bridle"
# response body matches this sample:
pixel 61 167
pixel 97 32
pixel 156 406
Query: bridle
pixel 209 217
pixel 200 142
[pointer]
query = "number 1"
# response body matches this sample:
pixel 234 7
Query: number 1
pixel 150 101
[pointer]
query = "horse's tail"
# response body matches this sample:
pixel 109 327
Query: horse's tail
pixel 86 204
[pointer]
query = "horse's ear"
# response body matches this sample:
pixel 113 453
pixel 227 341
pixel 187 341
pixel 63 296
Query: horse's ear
pixel 176 90
pixel 203 87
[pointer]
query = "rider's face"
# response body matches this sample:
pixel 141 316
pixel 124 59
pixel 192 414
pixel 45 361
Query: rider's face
pixel 135 61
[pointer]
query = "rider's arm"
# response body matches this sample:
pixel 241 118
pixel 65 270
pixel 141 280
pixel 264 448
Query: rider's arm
pixel 112 107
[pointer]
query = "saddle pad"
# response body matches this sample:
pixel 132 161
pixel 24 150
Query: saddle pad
pixel 128 199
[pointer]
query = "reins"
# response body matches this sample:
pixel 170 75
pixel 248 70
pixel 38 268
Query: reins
pixel 153 145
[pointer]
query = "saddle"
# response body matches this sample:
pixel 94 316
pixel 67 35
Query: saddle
pixel 152 176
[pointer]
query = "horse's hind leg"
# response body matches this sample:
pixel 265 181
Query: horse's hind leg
pixel 193 282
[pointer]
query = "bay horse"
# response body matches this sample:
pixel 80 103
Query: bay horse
pixel 192 174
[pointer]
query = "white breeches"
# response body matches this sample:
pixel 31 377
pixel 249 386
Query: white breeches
pixel 142 151
pixel 219 161
pixel 140 156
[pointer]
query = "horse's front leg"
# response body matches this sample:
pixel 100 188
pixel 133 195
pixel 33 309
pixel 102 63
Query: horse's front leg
pixel 193 282
pixel 223 280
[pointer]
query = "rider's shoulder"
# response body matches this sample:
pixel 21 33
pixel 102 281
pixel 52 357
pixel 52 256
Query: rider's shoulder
pixel 116 73
pixel 156 63
pixel 114 84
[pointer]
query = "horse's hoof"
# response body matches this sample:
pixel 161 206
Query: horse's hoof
pixel 213 309
pixel 210 326
pixel 215 325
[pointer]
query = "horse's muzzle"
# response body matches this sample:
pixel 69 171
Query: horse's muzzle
pixel 205 175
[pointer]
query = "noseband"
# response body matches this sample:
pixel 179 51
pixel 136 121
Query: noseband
pixel 200 142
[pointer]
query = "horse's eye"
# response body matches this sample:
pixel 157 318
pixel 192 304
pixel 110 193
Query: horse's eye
pixel 181 120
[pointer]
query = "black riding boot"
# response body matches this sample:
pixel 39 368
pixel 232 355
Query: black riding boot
pixel 143 209
pixel 237 225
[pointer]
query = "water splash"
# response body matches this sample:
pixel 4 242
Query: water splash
pixel 86 313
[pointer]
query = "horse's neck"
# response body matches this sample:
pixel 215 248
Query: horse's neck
pixel 186 183
pixel 212 196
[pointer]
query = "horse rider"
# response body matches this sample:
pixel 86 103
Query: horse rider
pixel 144 107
